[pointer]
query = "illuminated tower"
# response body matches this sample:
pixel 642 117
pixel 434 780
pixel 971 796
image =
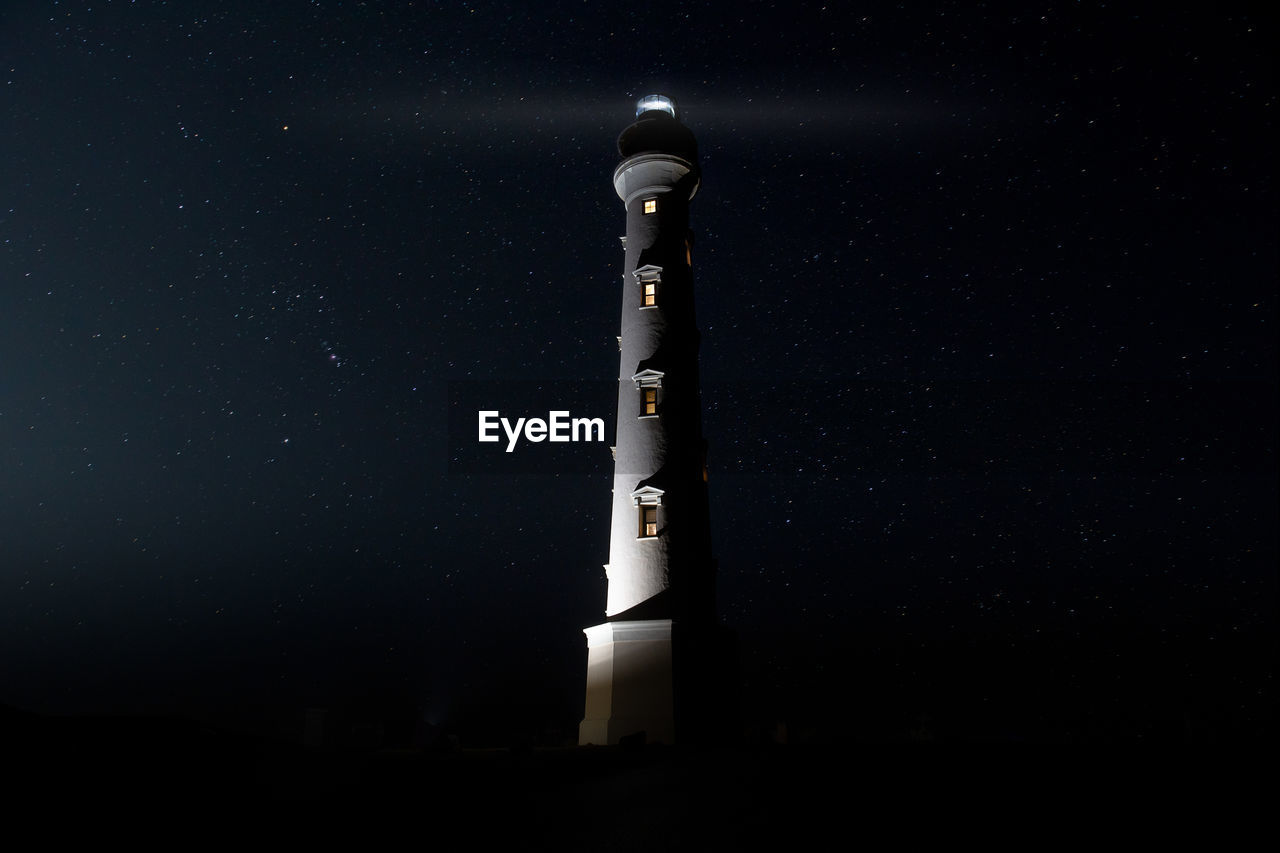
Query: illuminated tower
pixel 646 664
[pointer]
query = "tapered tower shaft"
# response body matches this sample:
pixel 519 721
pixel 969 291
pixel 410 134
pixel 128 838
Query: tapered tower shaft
pixel 660 569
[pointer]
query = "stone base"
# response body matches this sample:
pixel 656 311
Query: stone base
pixel 629 683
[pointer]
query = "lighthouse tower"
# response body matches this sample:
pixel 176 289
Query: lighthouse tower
pixel 647 663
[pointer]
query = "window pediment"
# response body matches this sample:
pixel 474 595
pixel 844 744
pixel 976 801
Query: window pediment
pixel 647 496
pixel 648 272
pixel 648 378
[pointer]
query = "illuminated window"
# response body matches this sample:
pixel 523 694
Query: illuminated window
pixel 648 522
pixel 649 277
pixel 650 205
pixel 647 500
pixel 647 383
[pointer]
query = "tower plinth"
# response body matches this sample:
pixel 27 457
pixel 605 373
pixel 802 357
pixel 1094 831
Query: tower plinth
pixel 645 661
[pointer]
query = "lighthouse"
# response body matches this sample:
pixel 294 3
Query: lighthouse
pixel 648 662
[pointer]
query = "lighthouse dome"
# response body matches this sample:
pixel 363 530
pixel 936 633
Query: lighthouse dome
pixel 656 128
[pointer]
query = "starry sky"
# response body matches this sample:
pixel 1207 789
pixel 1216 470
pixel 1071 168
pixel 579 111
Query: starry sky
pixel 988 305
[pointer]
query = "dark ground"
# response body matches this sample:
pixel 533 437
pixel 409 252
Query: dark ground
pixel 913 784
pixel 595 799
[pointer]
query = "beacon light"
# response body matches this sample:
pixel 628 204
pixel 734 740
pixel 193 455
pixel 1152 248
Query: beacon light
pixel 656 102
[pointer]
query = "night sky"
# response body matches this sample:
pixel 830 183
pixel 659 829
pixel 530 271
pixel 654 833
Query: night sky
pixel 988 306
